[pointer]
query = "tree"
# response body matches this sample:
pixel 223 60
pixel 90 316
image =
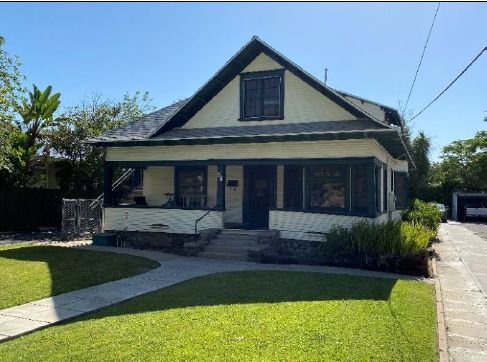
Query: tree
pixel 11 90
pixel 463 167
pixel 419 176
pixel 80 170
pixel 37 117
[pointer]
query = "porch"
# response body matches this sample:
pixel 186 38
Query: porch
pixel 300 198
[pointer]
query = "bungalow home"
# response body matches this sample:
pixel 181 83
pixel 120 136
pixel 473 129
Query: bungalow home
pixel 262 145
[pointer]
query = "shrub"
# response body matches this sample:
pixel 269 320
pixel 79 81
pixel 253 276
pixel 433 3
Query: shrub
pixel 372 240
pixel 424 213
pixel 384 246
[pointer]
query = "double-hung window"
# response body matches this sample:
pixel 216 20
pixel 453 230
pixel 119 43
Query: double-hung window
pixel 262 95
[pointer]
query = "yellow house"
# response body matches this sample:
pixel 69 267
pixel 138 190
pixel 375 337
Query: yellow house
pixel 262 145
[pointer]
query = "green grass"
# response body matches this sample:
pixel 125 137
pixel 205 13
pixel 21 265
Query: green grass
pixel 258 316
pixel 31 272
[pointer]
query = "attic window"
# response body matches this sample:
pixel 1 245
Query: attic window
pixel 262 95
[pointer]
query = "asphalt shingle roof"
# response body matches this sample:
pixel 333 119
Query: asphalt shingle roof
pixel 141 128
pixel 274 129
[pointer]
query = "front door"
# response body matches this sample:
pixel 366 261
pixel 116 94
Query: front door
pixel 259 195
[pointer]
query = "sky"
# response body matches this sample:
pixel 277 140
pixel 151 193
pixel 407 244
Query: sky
pixel 171 49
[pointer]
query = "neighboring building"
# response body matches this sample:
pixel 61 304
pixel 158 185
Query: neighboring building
pixel 462 199
pixel 262 145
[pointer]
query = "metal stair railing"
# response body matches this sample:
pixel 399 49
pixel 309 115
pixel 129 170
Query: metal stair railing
pixel 129 181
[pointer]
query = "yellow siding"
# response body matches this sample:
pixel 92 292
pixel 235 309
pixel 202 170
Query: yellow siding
pixel 212 185
pixel 157 182
pixel 371 108
pixel 302 103
pixel 305 149
pixel 260 63
pixel 280 186
pixel 234 198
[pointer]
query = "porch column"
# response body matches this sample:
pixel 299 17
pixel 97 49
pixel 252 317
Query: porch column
pixel 107 185
pixel 220 187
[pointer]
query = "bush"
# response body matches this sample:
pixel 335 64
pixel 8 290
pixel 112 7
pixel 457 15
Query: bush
pixel 372 240
pixel 424 213
pixel 385 246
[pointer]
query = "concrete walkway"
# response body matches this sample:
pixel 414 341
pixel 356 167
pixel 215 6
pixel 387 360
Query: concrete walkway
pixel 32 316
pixel 462 272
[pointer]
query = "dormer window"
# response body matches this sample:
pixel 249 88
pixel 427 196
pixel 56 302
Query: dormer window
pixel 262 95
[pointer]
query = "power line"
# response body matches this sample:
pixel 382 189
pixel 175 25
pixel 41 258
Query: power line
pixel 453 81
pixel 420 61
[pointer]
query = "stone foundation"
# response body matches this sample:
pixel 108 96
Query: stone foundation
pixel 180 244
pixel 290 251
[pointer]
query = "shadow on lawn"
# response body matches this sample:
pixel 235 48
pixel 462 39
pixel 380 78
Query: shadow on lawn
pixel 244 287
pixel 250 287
pixel 72 269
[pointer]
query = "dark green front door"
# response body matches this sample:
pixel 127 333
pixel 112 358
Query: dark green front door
pixel 259 195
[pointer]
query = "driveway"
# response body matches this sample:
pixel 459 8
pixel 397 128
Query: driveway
pixel 462 272
pixel 478 228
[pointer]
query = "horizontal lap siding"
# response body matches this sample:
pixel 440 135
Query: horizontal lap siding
pixel 305 226
pixel 157 182
pixel 312 226
pixel 302 103
pixel 304 149
pixel 178 221
pixel 234 198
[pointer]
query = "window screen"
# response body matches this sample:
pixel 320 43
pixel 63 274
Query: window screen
pixel 326 188
pixel 293 187
pixel 361 189
pixel 191 187
pixel 400 190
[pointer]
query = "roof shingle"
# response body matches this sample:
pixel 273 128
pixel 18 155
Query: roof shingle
pixel 141 128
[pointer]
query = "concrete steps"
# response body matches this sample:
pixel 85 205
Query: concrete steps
pixel 234 244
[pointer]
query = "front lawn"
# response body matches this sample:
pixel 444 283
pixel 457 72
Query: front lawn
pixel 30 272
pixel 255 315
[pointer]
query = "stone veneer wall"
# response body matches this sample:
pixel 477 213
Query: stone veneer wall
pixel 180 244
pixel 290 251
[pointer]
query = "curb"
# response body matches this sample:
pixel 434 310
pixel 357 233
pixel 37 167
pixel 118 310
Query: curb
pixel 442 341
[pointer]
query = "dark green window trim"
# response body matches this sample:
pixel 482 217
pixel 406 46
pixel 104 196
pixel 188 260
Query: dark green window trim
pixel 326 212
pixel 385 189
pixel 261 75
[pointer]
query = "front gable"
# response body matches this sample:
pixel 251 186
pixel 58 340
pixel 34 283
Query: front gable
pixel 302 103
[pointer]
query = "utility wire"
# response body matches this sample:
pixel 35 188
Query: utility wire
pixel 420 61
pixel 453 81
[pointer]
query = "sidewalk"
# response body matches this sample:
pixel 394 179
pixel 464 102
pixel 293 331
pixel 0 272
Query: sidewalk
pixel 174 269
pixel 462 269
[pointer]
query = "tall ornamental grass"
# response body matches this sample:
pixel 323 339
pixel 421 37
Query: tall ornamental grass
pixel 370 240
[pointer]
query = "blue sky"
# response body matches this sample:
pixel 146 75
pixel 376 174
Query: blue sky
pixel 170 50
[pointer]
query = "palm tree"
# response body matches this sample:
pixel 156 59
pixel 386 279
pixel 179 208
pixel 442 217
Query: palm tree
pixel 37 116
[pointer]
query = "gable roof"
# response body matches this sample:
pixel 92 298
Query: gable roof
pixel 157 126
pixel 392 115
pixel 236 65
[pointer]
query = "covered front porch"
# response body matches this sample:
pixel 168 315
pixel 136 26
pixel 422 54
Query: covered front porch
pixel 301 198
